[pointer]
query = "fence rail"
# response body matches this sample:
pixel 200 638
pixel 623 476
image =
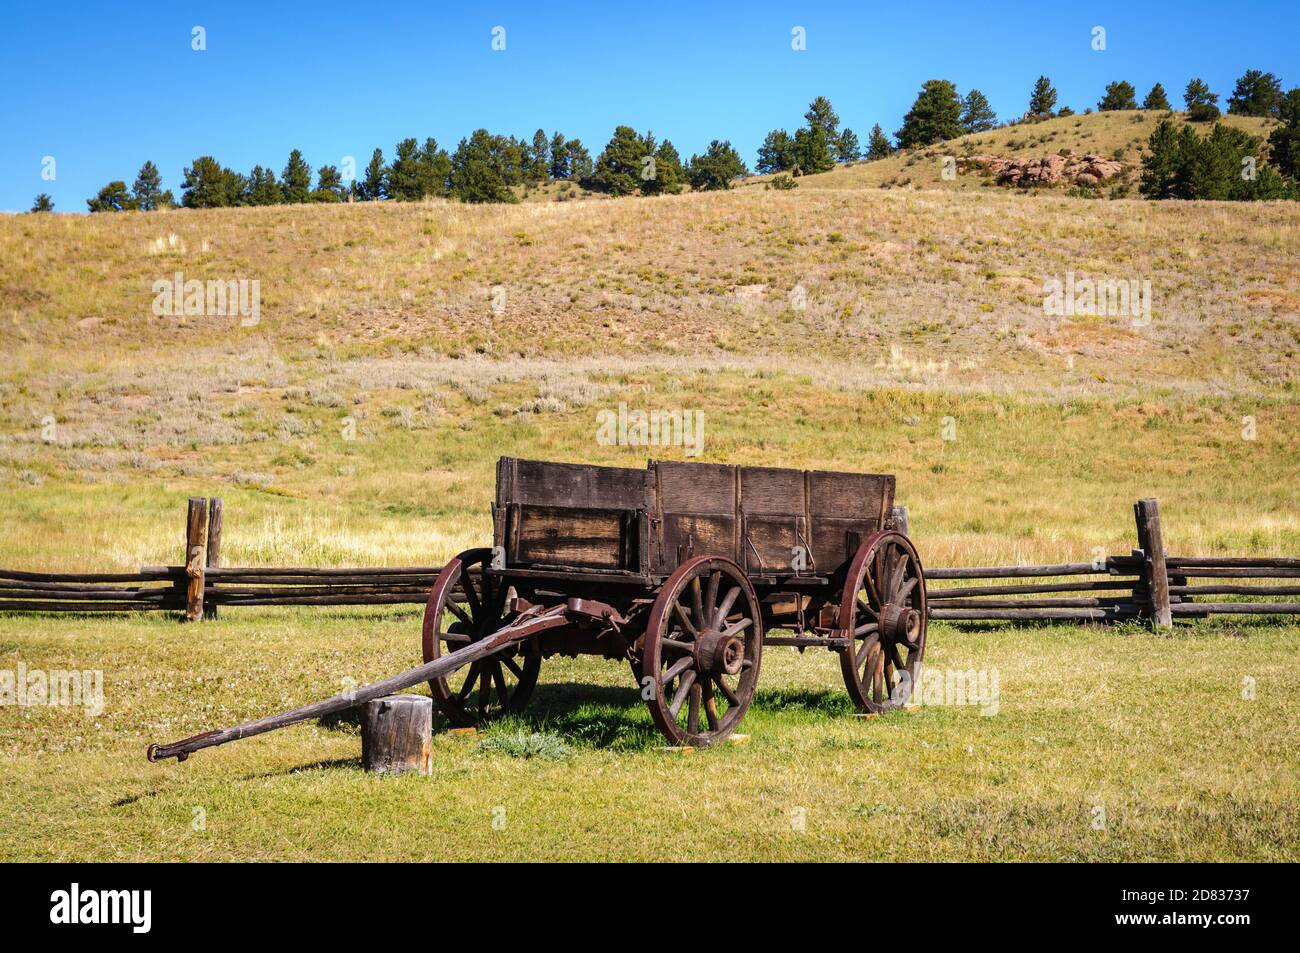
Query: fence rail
pixel 1146 584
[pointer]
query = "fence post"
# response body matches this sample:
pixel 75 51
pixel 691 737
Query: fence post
pixel 196 527
pixel 214 547
pixel 900 520
pixel 1152 543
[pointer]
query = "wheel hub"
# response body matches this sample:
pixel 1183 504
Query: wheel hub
pixel 900 623
pixel 719 654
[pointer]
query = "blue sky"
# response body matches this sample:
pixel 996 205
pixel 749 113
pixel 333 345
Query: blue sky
pixel 101 89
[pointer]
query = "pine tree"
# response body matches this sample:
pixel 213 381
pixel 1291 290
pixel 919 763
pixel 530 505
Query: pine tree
pixel 934 117
pixel 669 175
pixel 776 154
pixel 147 190
pixel 1284 142
pixel 977 115
pixel 813 151
pixel 435 169
pixel 112 198
pixel 329 185
pixel 821 115
pixel 1119 95
pixel 849 149
pixel 1201 103
pixel 373 186
pixel 208 184
pixel 43 203
pixel 559 158
pixel 539 164
pixel 878 145
pixel 296 179
pixel 1043 99
pixel 1256 94
pixel 1156 99
pixel 262 189
pixel 578 160
pixel 618 168
pixel 1160 164
pixel 480 169
pixel 716 169
pixel 404 173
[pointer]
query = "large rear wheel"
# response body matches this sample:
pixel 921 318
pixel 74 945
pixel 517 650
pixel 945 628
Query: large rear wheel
pixel 883 609
pixel 703 645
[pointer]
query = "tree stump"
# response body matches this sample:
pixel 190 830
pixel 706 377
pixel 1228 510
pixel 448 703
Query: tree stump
pixel 396 734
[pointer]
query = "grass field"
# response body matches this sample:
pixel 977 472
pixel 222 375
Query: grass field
pixel 401 349
pixel 1105 745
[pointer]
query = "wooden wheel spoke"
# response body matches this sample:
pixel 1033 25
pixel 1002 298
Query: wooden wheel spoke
pixel 727 692
pixel 683 688
pixel 906 589
pixel 499 679
pixel 682 617
pixel 676 646
pixel 866 629
pixel 724 609
pixel 515 670
pixel 484 688
pixel 681 665
pixel 471 595
pixel 455 609
pixel 710 705
pixel 697 600
pixel 894 657
pixel 693 712
pixel 711 597
pixel 740 626
pixel 470 678
pixel 865 652
pixel 899 574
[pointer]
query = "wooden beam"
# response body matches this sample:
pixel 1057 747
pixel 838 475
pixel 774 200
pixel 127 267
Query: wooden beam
pixel 1156 574
pixel 196 553
pixel 214 547
pixel 900 520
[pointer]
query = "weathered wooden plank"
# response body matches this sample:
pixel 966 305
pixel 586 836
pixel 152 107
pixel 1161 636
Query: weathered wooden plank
pixel 196 526
pixel 1237 608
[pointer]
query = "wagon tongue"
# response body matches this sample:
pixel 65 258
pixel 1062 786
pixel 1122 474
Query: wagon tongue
pixel 528 624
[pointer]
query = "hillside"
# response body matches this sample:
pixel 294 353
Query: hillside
pixel 829 326
pixel 1119 135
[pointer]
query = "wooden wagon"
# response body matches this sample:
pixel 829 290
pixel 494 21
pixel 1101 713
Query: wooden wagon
pixel 680 569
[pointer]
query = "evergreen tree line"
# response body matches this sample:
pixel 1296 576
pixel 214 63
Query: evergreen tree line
pixel 489 168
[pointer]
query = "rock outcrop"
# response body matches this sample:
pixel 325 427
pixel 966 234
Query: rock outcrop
pixel 1088 169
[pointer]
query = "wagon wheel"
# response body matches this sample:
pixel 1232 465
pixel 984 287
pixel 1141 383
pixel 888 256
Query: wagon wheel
pixel 491 687
pixel 703 644
pixel 883 606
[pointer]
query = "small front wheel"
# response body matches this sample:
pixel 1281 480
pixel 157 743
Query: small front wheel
pixel 465 605
pixel 703 645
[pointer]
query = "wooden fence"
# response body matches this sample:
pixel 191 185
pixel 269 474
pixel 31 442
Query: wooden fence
pixel 1146 584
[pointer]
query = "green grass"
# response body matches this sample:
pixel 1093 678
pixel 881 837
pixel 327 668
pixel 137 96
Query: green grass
pixel 1151 729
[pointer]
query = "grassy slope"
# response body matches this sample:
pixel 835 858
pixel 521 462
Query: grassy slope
pixel 1119 135
pixel 921 306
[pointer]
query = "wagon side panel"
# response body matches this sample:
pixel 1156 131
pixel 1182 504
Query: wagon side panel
pixel 773 511
pixel 696 511
pixel 843 510
pixel 570 516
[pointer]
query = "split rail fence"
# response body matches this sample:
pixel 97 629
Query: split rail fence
pixel 1147 584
